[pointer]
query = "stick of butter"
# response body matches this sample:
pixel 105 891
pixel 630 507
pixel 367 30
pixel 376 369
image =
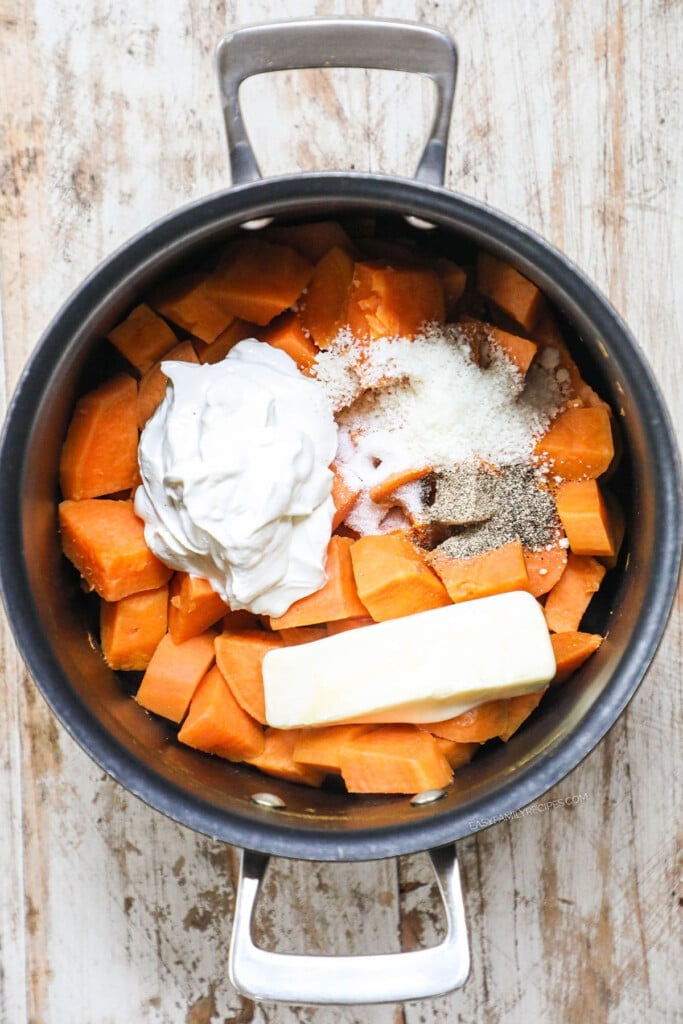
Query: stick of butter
pixel 420 668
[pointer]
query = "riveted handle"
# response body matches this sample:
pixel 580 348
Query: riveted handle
pixel 375 978
pixel 336 43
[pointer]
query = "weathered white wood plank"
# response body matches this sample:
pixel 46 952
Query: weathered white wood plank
pixel 573 911
pixel 566 117
pixel 139 905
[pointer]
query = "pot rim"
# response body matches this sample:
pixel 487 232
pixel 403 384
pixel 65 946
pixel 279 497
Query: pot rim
pixel 310 195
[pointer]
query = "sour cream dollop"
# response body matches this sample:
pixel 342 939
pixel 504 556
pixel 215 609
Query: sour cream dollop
pixel 236 485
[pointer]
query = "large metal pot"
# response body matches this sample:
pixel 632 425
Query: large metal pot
pixel 227 801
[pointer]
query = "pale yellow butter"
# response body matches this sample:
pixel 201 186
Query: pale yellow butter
pixel 420 668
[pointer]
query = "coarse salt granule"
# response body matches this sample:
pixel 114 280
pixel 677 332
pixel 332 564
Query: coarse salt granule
pixel 432 405
pixel 336 370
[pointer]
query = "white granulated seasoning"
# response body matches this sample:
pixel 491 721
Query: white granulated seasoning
pixel 432 405
pixel 405 404
pixel 335 369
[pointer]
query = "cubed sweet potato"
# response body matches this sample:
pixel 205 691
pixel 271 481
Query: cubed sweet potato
pixel 105 540
pixel 286 332
pixel 477 725
pixel 132 628
pixel 321 748
pixel 388 302
pixel 518 710
pixel 312 239
pixel 578 444
pixel 174 673
pixel 142 338
pixel 336 599
pixel 571 649
pixel 509 290
pixel 544 568
pixel 152 386
pixel 100 453
pixel 568 600
pixel 257 280
pixel 239 656
pixel 235 332
pixel 187 302
pixel 585 518
pixel 393 759
pixel 217 724
pixel 278 759
pixel 392 577
pixel 194 606
pixel 324 307
pixel 493 572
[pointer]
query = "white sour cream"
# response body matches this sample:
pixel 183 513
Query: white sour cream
pixel 236 485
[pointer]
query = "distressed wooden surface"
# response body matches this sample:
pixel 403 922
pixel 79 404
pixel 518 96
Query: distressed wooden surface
pixel 567 117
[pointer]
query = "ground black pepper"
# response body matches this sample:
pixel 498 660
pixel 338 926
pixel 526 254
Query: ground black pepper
pixel 463 495
pixel 524 510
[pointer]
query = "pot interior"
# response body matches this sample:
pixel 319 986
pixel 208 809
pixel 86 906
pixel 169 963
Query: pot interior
pixel 56 624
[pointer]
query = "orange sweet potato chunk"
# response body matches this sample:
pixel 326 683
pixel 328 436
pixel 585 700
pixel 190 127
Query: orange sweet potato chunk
pixel 393 759
pixel 286 332
pixel 239 656
pixel 544 568
pixel 194 606
pixel 343 625
pixel 131 629
pixel 493 572
pixel 547 334
pixel 142 338
pixel 321 747
pixel 392 577
pixel 257 280
pixel 296 635
pixel 337 598
pixel 278 759
pixel 585 518
pixel 235 332
pixel 238 620
pixel 387 302
pixel 457 754
pixel 324 307
pixel 312 240
pixel 217 724
pixel 617 523
pixel 571 650
pixel 509 290
pixel 518 350
pixel 518 710
pixel 453 281
pixel 578 444
pixel 105 540
pixel 343 496
pixel 188 302
pixel 100 453
pixel 173 675
pixel 383 490
pixel 477 725
pixel 568 600
pixel 152 386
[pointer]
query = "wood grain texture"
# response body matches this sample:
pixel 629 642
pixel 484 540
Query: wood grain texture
pixel 568 118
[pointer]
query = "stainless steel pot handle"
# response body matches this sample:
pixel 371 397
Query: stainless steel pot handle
pixel 336 43
pixel 383 978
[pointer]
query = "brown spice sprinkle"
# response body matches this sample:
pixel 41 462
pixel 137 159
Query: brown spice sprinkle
pixel 523 510
pixel 463 495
